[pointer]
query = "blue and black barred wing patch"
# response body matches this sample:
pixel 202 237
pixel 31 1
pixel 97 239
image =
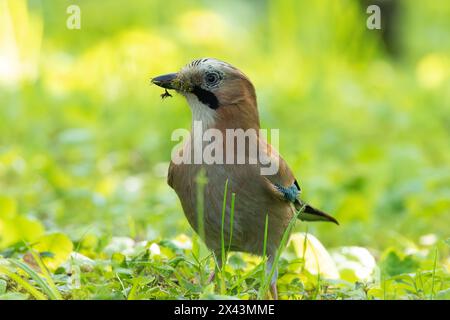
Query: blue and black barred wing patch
pixel 290 193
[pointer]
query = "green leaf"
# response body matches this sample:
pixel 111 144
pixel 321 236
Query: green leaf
pixel 8 207
pixel 54 249
pixel 2 286
pixel 118 259
pixel 443 295
pixel 217 297
pixel 447 241
pixel 13 296
pixel 393 264
pixel 316 257
pixel 19 228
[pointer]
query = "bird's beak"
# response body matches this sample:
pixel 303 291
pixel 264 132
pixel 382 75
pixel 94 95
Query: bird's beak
pixel 167 81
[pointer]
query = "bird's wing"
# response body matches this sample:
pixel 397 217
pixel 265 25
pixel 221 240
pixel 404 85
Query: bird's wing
pixel 283 185
pixel 170 175
pixel 282 182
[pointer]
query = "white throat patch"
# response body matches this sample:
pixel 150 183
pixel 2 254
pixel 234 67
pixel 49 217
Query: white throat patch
pixel 201 112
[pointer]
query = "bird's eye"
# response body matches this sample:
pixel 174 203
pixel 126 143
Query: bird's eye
pixel 212 78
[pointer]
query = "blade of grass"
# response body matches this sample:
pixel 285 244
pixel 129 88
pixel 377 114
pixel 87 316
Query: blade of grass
pixel 317 292
pixel 266 228
pixel 283 242
pixel 39 280
pixel 421 288
pixel 434 274
pixel 263 274
pixel 233 197
pixel 305 246
pixel 134 288
pixel 46 274
pixel 23 283
pixel 222 240
pixel 121 284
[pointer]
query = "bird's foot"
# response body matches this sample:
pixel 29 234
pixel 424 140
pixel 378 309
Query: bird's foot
pixel 211 277
pixel 274 291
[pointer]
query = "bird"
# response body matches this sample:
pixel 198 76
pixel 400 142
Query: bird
pixel 222 98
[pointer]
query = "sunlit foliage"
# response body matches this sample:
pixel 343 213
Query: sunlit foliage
pixel 85 145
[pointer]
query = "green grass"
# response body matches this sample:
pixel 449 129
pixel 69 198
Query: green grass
pixel 223 251
pixel 172 274
pixel 85 144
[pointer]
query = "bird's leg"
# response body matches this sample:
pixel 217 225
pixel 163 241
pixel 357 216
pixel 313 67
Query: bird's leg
pixel 211 277
pixel 274 290
pixel 217 265
pixel 273 280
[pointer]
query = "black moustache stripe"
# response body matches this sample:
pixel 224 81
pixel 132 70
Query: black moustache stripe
pixel 206 97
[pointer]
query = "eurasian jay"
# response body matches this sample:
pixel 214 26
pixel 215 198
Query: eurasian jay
pixel 222 98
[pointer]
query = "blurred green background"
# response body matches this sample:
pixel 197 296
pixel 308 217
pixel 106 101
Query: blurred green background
pixel 364 122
